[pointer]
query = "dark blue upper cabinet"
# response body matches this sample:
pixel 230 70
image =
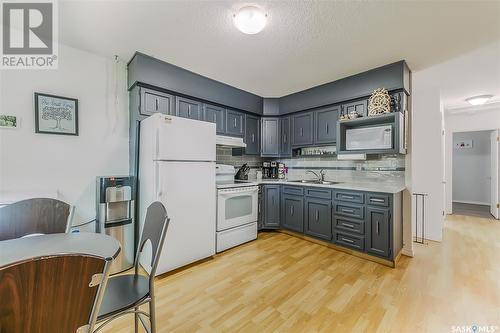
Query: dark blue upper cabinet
pixel 270 137
pixel 188 108
pixel 234 122
pixel 302 129
pixel 361 107
pixel 252 135
pixel 215 114
pixel 285 143
pixel 325 125
pixel 153 101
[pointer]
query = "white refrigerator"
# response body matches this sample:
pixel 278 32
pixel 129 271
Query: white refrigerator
pixel 177 167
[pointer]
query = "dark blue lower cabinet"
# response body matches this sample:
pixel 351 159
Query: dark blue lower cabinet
pixel 292 212
pixel 271 211
pixel 355 242
pixel 318 218
pixel 365 227
pixel 378 231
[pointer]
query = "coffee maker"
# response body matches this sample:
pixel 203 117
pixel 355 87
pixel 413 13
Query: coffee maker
pixel 274 170
pixel 266 170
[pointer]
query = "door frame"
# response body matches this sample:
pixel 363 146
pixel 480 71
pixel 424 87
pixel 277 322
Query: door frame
pixel 448 157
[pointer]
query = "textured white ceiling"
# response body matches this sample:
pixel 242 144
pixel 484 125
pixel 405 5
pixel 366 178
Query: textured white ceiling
pixel 306 43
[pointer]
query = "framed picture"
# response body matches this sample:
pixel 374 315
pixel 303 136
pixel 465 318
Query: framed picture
pixel 8 121
pixel 56 114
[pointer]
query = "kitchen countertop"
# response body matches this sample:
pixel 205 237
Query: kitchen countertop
pixel 368 186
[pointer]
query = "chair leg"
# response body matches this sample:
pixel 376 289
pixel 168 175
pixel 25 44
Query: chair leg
pixel 152 315
pixel 136 320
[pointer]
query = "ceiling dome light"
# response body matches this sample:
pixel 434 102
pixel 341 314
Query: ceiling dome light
pixel 250 20
pixel 478 100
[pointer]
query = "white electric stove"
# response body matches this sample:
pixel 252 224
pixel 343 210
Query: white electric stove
pixel 237 209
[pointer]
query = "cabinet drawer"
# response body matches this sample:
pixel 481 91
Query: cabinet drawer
pixel 351 210
pixel 349 225
pixel 378 199
pixel 294 190
pixel 349 196
pixel 319 193
pixel 352 241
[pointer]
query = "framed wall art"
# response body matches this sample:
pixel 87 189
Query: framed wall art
pixel 56 114
pixel 7 121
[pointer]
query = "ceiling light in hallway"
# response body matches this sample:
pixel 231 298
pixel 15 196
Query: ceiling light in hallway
pixel 478 100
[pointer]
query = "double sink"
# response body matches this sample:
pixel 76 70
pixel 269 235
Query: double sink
pixel 322 182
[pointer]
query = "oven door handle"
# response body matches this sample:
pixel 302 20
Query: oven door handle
pixel 232 192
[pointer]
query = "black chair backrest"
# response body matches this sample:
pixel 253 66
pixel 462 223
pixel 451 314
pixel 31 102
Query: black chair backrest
pixel 154 230
pixel 51 294
pixel 33 216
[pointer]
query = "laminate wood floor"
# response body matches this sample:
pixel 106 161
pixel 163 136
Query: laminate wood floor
pixel 285 284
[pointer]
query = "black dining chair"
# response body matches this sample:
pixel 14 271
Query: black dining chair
pixel 58 293
pixel 125 293
pixel 34 216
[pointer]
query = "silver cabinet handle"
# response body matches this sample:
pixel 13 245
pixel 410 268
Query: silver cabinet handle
pixel 291 210
pixel 348 225
pixel 317 216
pixel 347 240
pixel 284 138
pixel 376 200
pixel 347 196
pixel 378 228
pixel 301 131
pixel 189 110
pixel 326 128
pixel 253 137
pixel 234 122
pixel 156 104
pixel 348 210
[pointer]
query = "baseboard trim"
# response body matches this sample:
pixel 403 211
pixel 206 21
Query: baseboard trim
pixel 381 261
pixel 472 203
pixel 407 252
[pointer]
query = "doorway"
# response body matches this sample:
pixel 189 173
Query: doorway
pixel 475 174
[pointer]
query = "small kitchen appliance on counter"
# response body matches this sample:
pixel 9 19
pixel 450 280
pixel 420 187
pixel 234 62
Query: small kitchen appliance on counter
pixel 266 170
pixel 115 217
pixel 274 170
pixel 282 171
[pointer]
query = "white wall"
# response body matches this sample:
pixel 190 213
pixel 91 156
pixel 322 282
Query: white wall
pixel 432 86
pixel 41 163
pixel 471 168
pixel 426 159
pixel 470 119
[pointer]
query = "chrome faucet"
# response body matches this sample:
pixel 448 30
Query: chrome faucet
pixel 320 175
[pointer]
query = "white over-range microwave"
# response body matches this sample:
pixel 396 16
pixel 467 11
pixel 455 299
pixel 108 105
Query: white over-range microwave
pixel 369 138
pixel 377 137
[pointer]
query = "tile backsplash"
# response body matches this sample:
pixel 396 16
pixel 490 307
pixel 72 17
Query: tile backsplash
pixel 376 167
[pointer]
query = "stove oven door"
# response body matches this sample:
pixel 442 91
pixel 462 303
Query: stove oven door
pixel 236 207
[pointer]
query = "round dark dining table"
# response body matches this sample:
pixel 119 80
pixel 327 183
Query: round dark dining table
pixel 100 245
